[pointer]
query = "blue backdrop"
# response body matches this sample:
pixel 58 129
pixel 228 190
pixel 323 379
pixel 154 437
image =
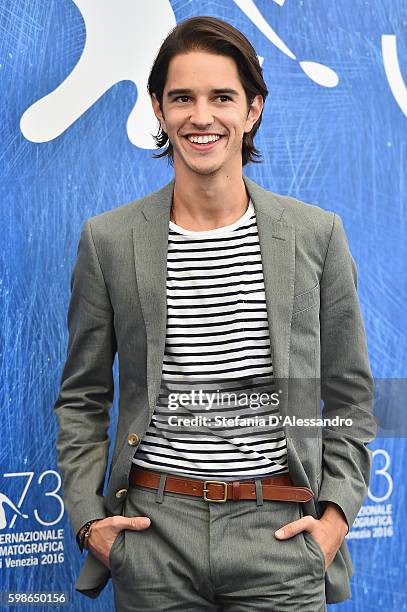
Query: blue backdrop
pixel 332 135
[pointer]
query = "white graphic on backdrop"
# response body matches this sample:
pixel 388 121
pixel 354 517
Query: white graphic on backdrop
pixel 122 40
pixel 118 49
pixel 40 543
pixel 6 501
pixel 319 73
pixel 393 72
pixel 375 518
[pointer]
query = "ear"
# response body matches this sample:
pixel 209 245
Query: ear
pixel 254 113
pixel 157 111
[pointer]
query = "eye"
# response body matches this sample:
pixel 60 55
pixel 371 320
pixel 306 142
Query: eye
pixel 187 97
pixel 179 97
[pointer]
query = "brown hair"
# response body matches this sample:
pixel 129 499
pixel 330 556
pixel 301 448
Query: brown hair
pixel 214 36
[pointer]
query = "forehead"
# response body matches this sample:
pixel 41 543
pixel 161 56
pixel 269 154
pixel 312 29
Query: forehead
pixel 200 69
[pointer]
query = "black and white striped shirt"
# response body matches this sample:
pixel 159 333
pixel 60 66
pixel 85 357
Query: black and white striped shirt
pixel 217 343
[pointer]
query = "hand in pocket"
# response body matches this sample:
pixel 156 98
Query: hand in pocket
pixel 105 532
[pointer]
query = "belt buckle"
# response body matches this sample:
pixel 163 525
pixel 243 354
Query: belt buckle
pixel 225 494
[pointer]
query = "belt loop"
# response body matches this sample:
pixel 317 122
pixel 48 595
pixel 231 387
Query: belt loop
pixel 259 492
pixel 160 491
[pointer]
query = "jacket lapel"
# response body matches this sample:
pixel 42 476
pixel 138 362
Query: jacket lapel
pixel 150 239
pixel 277 245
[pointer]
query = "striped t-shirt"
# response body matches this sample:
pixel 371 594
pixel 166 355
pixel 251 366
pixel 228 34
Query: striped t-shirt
pixel 210 420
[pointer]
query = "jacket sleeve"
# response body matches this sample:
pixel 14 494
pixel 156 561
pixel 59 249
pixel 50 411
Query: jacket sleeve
pixel 86 389
pixel 346 382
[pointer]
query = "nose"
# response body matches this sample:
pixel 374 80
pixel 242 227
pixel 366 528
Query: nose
pixel 201 114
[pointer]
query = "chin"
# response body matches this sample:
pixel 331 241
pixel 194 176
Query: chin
pixel 208 165
pixel 206 171
pixel 205 167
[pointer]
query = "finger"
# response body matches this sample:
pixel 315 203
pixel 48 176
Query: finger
pixel 291 529
pixel 138 522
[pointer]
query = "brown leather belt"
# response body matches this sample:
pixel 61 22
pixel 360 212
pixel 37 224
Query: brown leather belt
pixel 278 488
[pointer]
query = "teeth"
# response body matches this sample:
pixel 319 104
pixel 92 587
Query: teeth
pixel 203 139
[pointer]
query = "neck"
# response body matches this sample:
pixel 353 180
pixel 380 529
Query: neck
pixel 209 203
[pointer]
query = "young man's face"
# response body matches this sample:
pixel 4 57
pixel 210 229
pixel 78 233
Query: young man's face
pixel 198 109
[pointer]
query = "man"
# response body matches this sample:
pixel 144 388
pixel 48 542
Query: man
pixel 214 285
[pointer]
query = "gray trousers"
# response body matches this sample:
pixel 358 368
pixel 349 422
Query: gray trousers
pixel 200 556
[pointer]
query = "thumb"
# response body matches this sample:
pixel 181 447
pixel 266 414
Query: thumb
pixel 291 529
pixel 134 522
pixel 137 522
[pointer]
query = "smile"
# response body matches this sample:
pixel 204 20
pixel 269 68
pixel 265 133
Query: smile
pixel 206 144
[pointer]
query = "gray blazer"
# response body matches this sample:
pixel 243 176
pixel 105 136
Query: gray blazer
pixel 118 305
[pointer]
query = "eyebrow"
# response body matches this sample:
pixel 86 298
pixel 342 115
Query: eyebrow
pixel 178 92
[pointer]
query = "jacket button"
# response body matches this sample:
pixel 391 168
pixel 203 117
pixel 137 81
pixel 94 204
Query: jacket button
pixel 121 493
pixel 133 439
